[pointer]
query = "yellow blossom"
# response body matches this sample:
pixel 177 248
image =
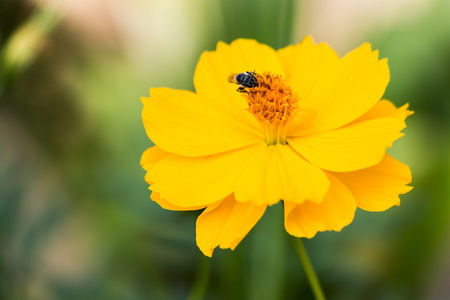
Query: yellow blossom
pixel 312 133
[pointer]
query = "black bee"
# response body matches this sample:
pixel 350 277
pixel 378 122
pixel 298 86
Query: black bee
pixel 244 80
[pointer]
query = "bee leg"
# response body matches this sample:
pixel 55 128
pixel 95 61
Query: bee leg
pixel 241 89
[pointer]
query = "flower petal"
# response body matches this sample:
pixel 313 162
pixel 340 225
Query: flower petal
pixel 280 173
pixel 196 181
pixel 309 67
pixel 386 109
pixel 336 211
pixel 350 148
pixel 187 124
pixel 377 188
pixel 149 159
pixel 226 223
pixel 242 55
pixel 214 68
pixel 151 156
pixel 167 205
pixel 335 91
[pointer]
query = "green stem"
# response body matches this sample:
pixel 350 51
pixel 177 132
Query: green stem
pixel 202 280
pixel 308 268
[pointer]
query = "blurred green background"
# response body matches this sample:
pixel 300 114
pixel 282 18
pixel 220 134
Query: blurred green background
pixel 76 221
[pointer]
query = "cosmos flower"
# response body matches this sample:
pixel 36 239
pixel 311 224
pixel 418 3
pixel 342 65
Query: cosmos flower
pixel 300 125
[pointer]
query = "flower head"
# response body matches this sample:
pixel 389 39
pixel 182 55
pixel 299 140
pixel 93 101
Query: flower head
pixel 308 128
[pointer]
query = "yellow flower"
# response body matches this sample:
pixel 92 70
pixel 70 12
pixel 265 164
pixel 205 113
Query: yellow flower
pixel 313 133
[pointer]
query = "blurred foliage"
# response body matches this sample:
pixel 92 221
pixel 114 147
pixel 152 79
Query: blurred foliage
pixel 268 22
pixel 76 221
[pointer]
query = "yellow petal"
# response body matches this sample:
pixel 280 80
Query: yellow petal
pixel 149 159
pixel 307 65
pixel 226 223
pixel 350 148
pixel 151 156
pixel 214 68
pixel 377 188
pixel 286 56
pixel 187 124
pixel 242 55
pixel 197 181
pixel 335 91
pixel 385 109
pixel 336 211
pixel 167 205
pixel 280 173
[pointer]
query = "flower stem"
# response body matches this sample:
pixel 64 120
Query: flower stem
pixel 201 282
pixel 308 268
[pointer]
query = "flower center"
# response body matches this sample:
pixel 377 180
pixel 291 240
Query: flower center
pixel 272 102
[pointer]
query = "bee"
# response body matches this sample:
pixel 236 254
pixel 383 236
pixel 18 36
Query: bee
pixel 244 80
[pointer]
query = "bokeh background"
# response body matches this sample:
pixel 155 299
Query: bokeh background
pixel 76 221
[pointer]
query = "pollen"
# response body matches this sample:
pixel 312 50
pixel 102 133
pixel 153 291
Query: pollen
pixel 272 101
